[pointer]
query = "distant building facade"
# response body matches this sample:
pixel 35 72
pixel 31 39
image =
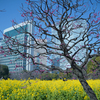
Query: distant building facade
pixel 39 57
pixel 55 62
pixel 0 45
pixel 1 40
pixel 12 60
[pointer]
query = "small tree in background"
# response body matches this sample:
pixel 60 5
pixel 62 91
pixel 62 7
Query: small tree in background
pixel 4 71
pixel 93 64
pixel 93 68
pixel 76 26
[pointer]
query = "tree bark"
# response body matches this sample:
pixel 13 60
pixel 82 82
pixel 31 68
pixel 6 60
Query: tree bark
pixel 85 85
pixel 88 89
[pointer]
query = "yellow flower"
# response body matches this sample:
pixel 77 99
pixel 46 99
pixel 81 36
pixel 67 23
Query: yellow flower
pixel 85 98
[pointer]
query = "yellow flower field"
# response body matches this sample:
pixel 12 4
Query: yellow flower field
pixel 45 90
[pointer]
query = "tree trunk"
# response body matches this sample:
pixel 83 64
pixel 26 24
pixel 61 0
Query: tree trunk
pixel 85 85
pixel 87 89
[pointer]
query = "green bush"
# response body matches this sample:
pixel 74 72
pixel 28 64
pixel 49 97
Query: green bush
pixel 91 66
pixel 4 71
pixel 65 75
pixel 50 76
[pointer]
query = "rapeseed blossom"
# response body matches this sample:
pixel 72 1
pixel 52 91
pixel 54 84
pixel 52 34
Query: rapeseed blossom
pixel 46 89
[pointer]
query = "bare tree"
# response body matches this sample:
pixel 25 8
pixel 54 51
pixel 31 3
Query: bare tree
pixel 71 30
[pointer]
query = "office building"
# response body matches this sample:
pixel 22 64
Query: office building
pixel 39 56
pixel 0 48
pixel 17 33
pixel 1 40
pixel 55 62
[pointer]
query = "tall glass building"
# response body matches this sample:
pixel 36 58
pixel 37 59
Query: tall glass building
pixel 0 45
pixel 1 40
pixel 40 52
pixel 17 33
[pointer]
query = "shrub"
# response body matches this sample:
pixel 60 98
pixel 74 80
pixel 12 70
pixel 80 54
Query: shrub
pixel 91 66
pixel 4 71
pixel 50 76
pixel 40 75
pixel 65 75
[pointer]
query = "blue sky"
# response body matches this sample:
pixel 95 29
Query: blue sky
pixel 12 11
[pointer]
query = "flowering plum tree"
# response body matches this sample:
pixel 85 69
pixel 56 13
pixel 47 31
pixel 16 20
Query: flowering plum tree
pixel 71 29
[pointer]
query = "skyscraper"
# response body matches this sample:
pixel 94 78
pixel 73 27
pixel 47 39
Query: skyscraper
pixel 39 57
pixel 1 40
pixel 0 45
pixel 17 33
